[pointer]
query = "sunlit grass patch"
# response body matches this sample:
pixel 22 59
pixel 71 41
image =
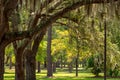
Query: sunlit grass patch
pixel 59 75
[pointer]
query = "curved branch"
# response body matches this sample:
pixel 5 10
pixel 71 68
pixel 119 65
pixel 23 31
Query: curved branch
pixel 45 23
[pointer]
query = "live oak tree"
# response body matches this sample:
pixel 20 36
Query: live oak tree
pixel 45 15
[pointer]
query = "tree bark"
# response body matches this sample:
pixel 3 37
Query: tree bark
pixel 77 56
pixel 105 49
pixel 54 67
pixel 76 67
pixel 3 28
pixel 31 57
pixel 2 52
pixel 19 69
pixel 30 66
pixel 49 57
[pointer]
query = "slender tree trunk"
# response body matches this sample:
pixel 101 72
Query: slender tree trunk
pixel 45 65
pixel 30 66
pixel 7 59
pixel 2 52
pixel 57 64
pixel 70 67
pixel 105 48
pixel 39 68
pixel 64 64
pixel 77 57
pixel 49 57
pixel 10 64
pixel 76 67
pixel 19 69
pixel 61 61
pixel 54 67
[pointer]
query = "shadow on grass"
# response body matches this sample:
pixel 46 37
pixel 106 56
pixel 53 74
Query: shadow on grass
pixel 9 76
pixel 39 77
pixel 68 78
pixel 9 73
pixel 56 78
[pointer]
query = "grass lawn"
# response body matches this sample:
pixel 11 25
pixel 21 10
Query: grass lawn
pixel 60 75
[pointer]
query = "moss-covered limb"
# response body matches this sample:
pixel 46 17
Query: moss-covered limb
pixel 12 36
pixel 45 23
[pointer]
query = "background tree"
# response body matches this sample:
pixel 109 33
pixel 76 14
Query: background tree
pixel 41 54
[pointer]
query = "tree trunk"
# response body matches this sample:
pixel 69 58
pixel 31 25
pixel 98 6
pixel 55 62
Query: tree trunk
pixel 31 57
pixel 10 64
pixel 77 57
pixel 57 64
pixel 39 68
pixel 7 59
pixel 61 62
pixel 70 67
pixel 76 66
pixel 2 52
pixel 30 66
pixel 49 57
pixel 45 65
pixel 19 69
pixel 3 28
pixel 54 67
pixel 105 49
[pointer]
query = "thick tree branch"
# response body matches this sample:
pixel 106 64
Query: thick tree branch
pixel 10 5
pixel 37 41
pixel 45 23
pixel 45 3
pixel 54 6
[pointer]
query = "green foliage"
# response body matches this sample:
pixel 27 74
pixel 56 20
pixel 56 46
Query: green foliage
pixel 90 62
pixel 62 74
pixel 41 54
pixel 59 41
pixel 113 61
pixel 96 70
pixel 9 52
pixel 95 62
pixel 114 72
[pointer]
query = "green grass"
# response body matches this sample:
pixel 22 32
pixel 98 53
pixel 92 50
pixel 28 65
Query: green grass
pixel 60 75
